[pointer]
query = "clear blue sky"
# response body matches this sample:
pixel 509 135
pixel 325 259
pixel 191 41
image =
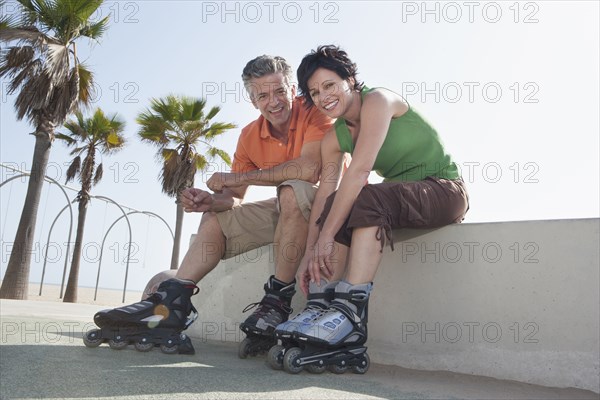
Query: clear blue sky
pixel 512 87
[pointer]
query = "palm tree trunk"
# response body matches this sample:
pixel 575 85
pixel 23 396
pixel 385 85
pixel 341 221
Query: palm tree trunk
pixel 16 280
pixel 177 239
pixel 71 290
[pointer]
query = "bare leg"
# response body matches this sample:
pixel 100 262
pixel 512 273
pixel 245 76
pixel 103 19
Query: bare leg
pixel 290 236
pixel 365 256
pixel 340 261
pixel 205 252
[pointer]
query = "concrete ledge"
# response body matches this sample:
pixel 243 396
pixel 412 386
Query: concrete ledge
pixel 512 300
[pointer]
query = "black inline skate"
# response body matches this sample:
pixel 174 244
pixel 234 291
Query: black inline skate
pixel 318 299
pixel 334 340
pixel 272 310
pixel 156 321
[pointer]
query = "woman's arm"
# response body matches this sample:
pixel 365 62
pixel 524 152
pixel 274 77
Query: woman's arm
pixel 376 113
pixel 377 110
pixel 332 162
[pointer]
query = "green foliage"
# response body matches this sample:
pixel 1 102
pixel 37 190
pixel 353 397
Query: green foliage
pixel 90 136
pixel 179 127
pixel 41 62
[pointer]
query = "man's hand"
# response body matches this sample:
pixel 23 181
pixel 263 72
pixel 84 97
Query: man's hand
pixel 220 180
pixel 196 200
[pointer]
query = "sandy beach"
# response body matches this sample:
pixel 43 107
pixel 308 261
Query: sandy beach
pixel 85 295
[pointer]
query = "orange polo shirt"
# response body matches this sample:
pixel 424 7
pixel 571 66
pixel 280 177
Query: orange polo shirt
pixel 257 149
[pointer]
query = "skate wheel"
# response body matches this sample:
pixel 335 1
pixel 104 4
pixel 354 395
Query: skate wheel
pixel 244 348
pixel 291 361
pixel 275 357
pixel 365 363
pixel 92 338
pixel 316 369
pixel 169 349
pixel 118 343
pixel 143 345
pixel 338 369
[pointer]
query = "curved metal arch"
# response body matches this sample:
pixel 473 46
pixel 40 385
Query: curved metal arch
pixel 128 247
pixel 108 231
pixel 51 180
pixel 46 251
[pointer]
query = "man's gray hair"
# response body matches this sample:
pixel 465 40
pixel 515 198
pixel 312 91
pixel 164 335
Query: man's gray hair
pixel 265 65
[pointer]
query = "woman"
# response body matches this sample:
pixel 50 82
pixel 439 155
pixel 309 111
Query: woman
pixel 422 188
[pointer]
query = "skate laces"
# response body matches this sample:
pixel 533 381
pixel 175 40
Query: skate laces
pixel 264 309
pixel 313 309
pixel 155 298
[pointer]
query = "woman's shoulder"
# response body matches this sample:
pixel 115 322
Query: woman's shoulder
pixel 383 97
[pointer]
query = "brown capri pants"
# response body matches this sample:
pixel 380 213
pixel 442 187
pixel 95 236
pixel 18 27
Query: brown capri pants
pixel 252 225
pixel 430 203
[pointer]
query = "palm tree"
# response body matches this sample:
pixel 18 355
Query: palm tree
pixel 6 21
pixel 51 82
pixel 178 125
pixel 98 134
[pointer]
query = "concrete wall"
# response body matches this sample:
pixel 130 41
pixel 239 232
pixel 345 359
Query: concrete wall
pixel 513 300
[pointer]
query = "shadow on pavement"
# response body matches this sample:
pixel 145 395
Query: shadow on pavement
pixel 59 371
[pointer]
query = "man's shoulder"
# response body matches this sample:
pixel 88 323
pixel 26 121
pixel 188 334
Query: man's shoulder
pixel 252 129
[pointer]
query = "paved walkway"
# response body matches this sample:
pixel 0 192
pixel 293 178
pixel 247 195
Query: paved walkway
pixel 42 356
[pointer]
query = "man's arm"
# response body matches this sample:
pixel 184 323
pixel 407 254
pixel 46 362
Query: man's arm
pixel 307 167
pixel 198 200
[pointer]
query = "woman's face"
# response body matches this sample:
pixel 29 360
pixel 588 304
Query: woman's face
pixel 331 94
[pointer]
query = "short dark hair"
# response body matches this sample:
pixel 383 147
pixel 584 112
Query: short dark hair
pixel 329 57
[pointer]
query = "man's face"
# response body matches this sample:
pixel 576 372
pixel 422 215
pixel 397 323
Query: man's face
pixel 273 96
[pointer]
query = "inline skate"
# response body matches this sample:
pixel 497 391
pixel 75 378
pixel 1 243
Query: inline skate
pixel 335 339
pixel 319 297
pixel 157 321
pixel 272 310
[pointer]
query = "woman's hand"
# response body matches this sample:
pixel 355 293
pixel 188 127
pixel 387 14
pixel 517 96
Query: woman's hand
pixel 322 263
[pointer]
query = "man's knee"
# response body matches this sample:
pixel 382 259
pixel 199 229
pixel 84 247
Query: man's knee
pixel 209 219
pixel 288 203
pixel 210 238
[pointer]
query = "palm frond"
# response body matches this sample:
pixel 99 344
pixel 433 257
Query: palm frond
pixel 95 30
pixel 34 96
pixel 73 169
pixel 212 113
pixel 157 139
pixel 178 125
pixel 77 150
pixel 214 152
pixel 66 138
pixel 7 21
pixel 57 61
pixel 217 129
pixel 166 108
pixel 41 66
pixel 26 34
pixel 86 85
pixel 200 161
pixel 99 174
pixel 77 127
pixel 15 60
pixel 168 154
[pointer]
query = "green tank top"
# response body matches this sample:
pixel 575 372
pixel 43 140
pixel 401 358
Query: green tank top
pixel 412 150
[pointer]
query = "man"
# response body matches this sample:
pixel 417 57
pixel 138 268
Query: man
pixel 282 149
